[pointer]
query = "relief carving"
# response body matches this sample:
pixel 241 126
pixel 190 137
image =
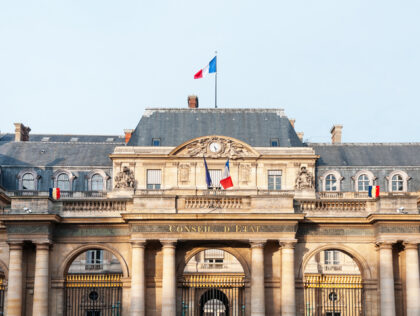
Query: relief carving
pixel 124 179
pixel 184 173
pixel 244 173
pixel 304 180
pixel 228 148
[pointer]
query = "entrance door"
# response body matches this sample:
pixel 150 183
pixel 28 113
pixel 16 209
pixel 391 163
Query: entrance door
pixel 214 303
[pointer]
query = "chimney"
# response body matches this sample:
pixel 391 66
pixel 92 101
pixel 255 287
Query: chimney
pixel 21 132
pixel 128 133
pixel 292 122
pixel 193 102
pixel 336 132
pixel 300 135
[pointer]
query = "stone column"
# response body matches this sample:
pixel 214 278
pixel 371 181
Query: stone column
pixel 386 273
pixel 14 288
pixel 257 278
pixel 288 304
pixel 41 282
pixel 168 278
pixel 138 286
pixel 412 278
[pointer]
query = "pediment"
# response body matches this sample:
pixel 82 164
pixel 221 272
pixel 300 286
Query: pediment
pixel 215 146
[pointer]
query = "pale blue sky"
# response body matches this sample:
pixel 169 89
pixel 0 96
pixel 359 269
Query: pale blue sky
pixel 91 67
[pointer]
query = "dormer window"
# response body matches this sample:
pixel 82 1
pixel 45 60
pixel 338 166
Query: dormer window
pixel 274 142
pixel 156 142
pixel 63 182
pixel 97 182
pixel 398 181
pixel 28 182
pixel 363 183
pixel 331 181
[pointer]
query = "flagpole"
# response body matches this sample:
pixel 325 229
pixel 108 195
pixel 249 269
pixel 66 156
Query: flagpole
pixel 215 85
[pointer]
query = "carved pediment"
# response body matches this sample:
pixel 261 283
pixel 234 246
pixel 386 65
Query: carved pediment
pixel 215 147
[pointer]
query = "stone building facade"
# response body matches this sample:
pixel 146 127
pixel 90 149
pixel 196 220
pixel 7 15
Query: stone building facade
pixel 138 230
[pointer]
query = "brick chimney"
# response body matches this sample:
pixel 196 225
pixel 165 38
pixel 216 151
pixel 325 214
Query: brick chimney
pixel 21 132
pixel 292 122
pixel 192 101
pixel 336 132
pixel 300 135
pixel 128 133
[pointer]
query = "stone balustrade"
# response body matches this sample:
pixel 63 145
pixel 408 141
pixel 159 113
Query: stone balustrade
pixel 95 205
pixel 336 205
pixel 224 202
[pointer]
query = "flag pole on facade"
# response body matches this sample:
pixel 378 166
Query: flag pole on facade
pixel 215 82
pixel 211 67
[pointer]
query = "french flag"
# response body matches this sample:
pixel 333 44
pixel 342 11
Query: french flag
pixel 55 193
pixel 373 191
pixel 210 68
pixel 226 181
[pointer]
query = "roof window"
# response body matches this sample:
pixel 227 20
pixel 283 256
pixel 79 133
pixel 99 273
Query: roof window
pixel 74 139
pixel 156 142
pixel 45 139
pixel 110 139
pixel 274 142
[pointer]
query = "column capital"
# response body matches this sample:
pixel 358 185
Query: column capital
pixel 384 244
pixel 138 243
pixel 287 243
pixel 15 245
pixel 257 243
pixel 411 245
pixel 43 246
pixel 168 242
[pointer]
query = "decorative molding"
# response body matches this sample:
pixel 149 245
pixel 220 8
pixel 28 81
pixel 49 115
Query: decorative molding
pixel 229 147
pixel 212 228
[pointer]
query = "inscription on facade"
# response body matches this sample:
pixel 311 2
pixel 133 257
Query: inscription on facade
pixel 211 228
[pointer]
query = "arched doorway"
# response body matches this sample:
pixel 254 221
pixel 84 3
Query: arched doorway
pixel 333 285
pixel 93 285
pixel 213 285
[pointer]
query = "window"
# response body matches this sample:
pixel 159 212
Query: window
pixel 94 259
pixel 93 313
pixel 154 179
pixel 213 258
pixel 333 314
pixel 216 176
pixel 397 183
pixel 156 142
pixel 28 182
pixel 330 183
pixel 63 182
pixel 363 183
pixel 274 179
pixel 97 182
pixel 331 257
pixel 274 142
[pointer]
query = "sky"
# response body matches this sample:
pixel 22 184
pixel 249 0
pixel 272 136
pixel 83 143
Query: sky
pixel 92 67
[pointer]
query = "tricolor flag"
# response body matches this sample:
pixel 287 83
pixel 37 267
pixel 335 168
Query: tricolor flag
pixel 210 68
pixel 373 191
pixel 208 178
pixel 226 181
pixel 55 193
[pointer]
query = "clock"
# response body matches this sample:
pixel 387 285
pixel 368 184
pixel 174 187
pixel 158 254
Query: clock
pixel 215 147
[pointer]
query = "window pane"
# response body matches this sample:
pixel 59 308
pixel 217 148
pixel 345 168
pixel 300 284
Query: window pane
pixel 216 176
pixel 154 179
pixel 330 183
pixel 28 182
pixel 274 179
pixel 97 182
pixel 63 182
pixel 397 183
pixel 363 183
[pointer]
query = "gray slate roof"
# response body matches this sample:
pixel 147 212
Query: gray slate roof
pixel 255 127
pixel 67 138
pixel 50 154
pixel 379 154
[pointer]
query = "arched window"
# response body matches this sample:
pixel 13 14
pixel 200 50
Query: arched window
pixel 363 183
pixel 28 182
pixel 63 182
pixel 397 183
pixel 330 183
pixel 97 182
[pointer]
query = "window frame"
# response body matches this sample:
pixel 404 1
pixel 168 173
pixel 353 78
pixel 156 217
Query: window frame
pixel 35 176
pixel 59 172
pixel 371 177
pixel 105 178
pixel 153 186
pixel 277 180
pixel 404 177
pixel 338 178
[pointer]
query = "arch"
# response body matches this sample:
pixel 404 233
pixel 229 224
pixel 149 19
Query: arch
pixel 405 177
pixel 68 173
pixel 357 258
pixel 233 252
pixel 203 142
pixel 371 177
pixel 32 172
pixel 4 268
pixel 68 260
pixel 100 172
pixel 337 176
pixel 214 294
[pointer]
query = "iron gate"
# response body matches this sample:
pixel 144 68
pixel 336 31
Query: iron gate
pixel 213 295
pixel 333 295
pixel 93 295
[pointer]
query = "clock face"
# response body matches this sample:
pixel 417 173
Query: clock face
pixel 215 147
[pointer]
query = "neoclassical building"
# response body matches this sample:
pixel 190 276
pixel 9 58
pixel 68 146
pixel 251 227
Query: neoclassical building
pixel 138 230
